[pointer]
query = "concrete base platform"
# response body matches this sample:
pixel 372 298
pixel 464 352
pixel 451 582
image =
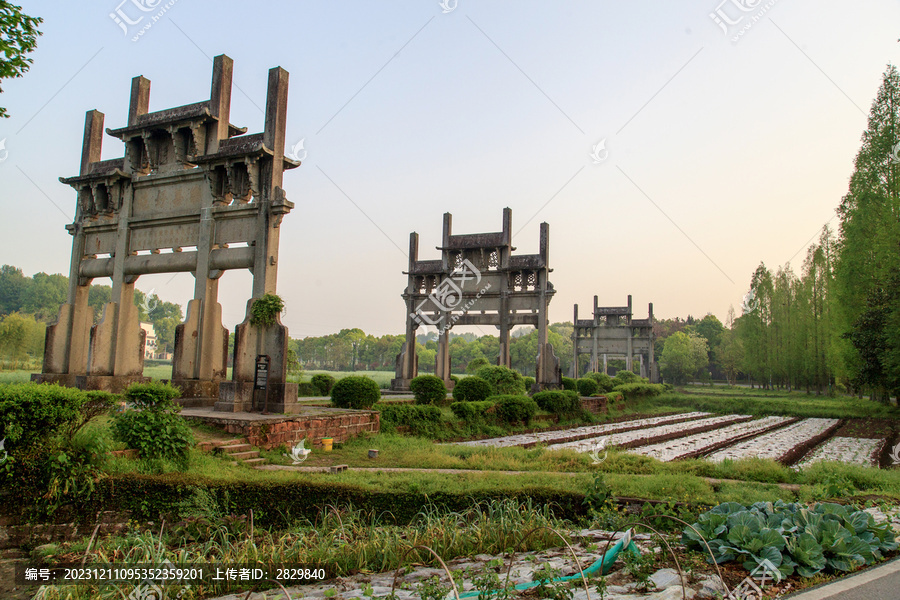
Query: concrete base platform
pixel 310 422
pixel 238 396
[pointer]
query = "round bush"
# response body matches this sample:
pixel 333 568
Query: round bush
pixel 472 389
pixel 529 382
pixel 475 364
pixel 428 389
pixel 323 382
pixel 355 392
pixel 569 384
pixel 514 409
pixel 587 386
pixel 558 402
pixel 623 377
pixel 604 381
pixel 454 379
pixel 503 380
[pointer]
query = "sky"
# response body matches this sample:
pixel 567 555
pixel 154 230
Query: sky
pixel 672 147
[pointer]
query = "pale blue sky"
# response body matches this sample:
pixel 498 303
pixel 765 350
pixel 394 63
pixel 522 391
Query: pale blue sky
pixel 721 153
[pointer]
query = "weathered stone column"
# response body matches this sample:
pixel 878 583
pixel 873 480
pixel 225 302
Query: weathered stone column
pixel 547 372
pixel 251 340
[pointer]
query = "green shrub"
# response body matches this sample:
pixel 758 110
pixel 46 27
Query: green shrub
pixel 569 384
pixel 355 391
pixel 454 378
pixel 408 414
pixel 529 383
pixel 472 389
pixel 155 430
pixel 428 389
pixel 604 381
pixel 587 386
pixel 514 409
pixel 623 377
pixel 632 391
pixel 51 457
pixel 324 382
pixel 503 380
pixel 471 412
pixel 558 402
pixel 152 396
pixel 475 364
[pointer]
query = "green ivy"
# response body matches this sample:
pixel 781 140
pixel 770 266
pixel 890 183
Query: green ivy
pixel 264 310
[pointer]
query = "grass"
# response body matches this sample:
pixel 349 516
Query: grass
pixel 17 376
pixel 382 378
pixel 792 404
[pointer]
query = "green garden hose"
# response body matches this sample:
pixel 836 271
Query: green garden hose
pixel 602 564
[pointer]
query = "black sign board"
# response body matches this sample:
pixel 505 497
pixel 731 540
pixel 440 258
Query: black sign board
pixel 262 372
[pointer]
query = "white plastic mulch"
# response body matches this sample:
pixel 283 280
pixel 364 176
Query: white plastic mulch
pixel 777 443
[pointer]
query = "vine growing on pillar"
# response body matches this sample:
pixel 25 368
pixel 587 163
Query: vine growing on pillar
pixel 264 310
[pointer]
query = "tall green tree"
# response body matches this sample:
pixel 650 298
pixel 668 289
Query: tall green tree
pixel 869 256
pixel 683 355
pixel 18 37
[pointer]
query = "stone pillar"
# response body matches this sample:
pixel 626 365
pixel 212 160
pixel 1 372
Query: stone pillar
pixel 629 342
pixel 605 365
pixel 66 341
pixel 547 372
pixel 406 366
pixel 574 369
pixel 442 359
pixel 595 339
pixel 252 340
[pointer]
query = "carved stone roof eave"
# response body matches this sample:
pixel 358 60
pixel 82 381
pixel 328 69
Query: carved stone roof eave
pixel 100 175
pixel 173 117
pixel 237 148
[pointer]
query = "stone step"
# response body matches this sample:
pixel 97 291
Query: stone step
pixel 214 444
pixel 232 448
pixel 244 455
pixel 254 461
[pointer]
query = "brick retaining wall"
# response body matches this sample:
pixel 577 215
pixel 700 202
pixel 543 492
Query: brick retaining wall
pixel 341 427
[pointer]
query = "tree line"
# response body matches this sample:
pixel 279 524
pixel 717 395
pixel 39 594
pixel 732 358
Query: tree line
pixel 837 323
pixel 29 304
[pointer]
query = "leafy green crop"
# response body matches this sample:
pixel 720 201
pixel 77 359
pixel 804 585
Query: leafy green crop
pixel 792 537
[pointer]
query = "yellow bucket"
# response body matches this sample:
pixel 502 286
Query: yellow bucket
pixel 326 444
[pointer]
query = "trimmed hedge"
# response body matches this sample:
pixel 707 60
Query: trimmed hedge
pixel 569 384
pixel 623 377
pixel 587 386
pixel 514 409
pixel 279 504
pixel 428 389
pixel 324 382
pixel 604 381
pixel 408 414
pixel 472 389
pixel 639 390
pixel 30 413
pixel 503 380
pixel 472 411
pixel 355 391
pixel 558 402
pixel 529 383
